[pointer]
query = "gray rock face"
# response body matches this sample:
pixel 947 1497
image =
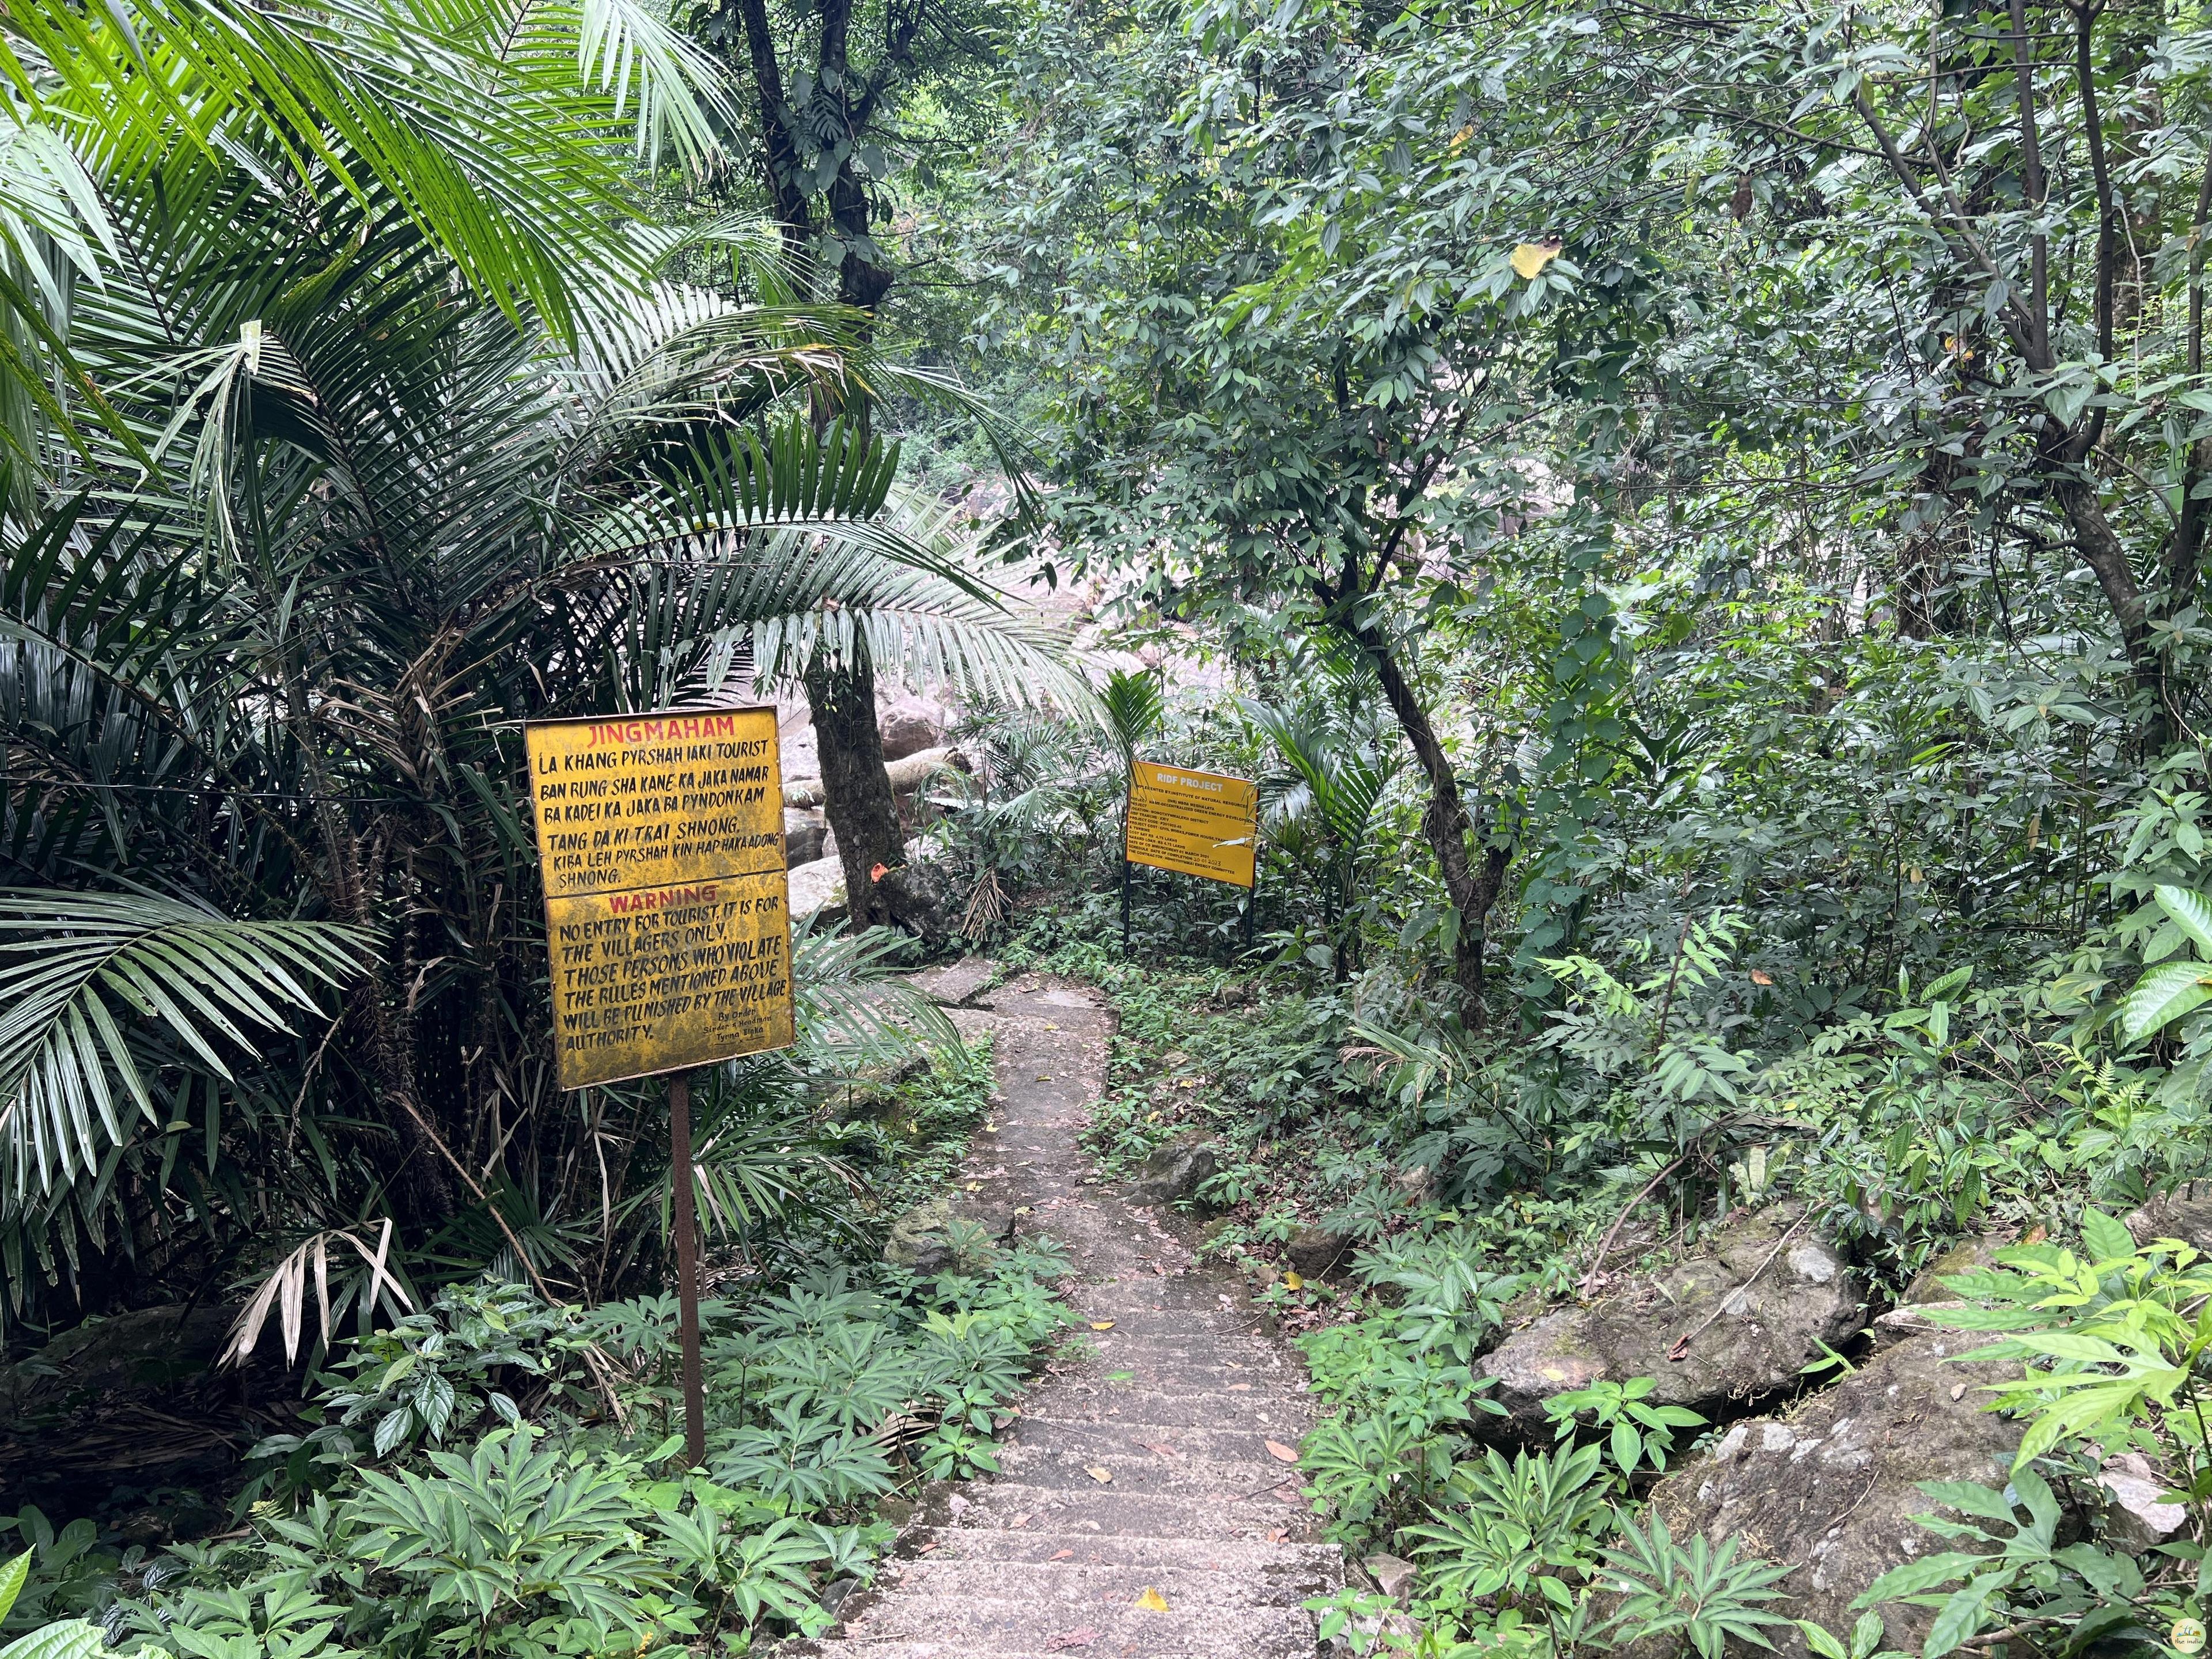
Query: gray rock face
pixel 2185 1214
pixel 911 725
pixel 1393 1575
pixel 818 888
pixel 1314 1250
pixel 919 1239
pixel 909 772
pixel 953 984
pixel 2134 1518
pixel 1969 1256
pixel 1738 1318
pixel 1176 1169
pixel 1832 1486
pixel 804 829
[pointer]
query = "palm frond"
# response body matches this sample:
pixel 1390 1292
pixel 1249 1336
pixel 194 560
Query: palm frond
pixel 283 1294
pixel 79 971
pixel 849 997
pixel 626 51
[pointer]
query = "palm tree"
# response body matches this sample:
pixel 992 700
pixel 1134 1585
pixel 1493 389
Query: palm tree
pixel 356 429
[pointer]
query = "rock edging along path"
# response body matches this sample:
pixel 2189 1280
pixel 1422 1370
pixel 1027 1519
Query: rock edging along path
pixel 1140 1511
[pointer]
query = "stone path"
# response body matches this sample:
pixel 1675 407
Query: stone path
pixel 1140 1473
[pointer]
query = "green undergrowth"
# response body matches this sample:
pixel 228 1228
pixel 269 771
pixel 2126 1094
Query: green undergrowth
pixel 492 1475
pixel 1460 1184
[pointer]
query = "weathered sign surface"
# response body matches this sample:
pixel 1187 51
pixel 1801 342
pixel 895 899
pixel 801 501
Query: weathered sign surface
pixel 660 837
pixel 1199 823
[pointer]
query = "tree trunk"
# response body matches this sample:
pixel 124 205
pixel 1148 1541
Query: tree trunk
pixel 2100 548
pixel 1473 889
pixel 856 791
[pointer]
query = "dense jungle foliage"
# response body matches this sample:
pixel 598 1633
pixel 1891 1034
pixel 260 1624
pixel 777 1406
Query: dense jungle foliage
pixel 1693 516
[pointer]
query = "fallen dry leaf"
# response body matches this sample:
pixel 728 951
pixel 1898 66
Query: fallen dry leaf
pixel 1239 1387
pixel 1081 1638
pixel 1023 1519
pixel 1152 1601
pixel 1759 977
pixel 1530 257
pixel 1276 1448
pixel 1059 1555
pixel 1099 1472
pixel 1101 1324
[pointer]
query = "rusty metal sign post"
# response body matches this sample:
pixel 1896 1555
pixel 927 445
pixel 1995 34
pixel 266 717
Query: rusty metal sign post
pixel 667 922
pixel 1196 823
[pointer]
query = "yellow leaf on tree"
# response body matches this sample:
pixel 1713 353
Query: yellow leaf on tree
pixel 1152 1601
pixel 1529 258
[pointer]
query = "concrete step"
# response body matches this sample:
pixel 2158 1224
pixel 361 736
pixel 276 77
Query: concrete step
pixel 1126 1402
pixel 1138 1470
pixel 1189 1581
pixel 1119 1351
pixel 1130 1550
pixel 1132 1317
pixel 1159 1366
pixel 1197 1630
pixel 1012 1506
pixel 1236 1442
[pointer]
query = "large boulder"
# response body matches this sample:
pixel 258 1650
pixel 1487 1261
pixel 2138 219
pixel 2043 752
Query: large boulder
pixel 817 890
pixel 1740 1317
pixel 1832 1486
pixel 921 1239
pixel 1969 1256
pixel 1314 1250
pixel 910 772
pixel 1176 1169
pixel 804 830
pixel 2184 1214
pixel 911 725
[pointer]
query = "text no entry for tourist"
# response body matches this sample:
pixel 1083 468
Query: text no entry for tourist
pixel 667 913
pixel 1197 824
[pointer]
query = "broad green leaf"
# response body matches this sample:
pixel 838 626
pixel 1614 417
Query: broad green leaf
pixel 71 1638
pixel 2191 913
pixel 1917 1577
pixel 1958 1618
pixel 2107 1238
pixel 2162 996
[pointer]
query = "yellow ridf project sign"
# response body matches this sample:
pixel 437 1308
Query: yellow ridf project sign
pixel 660 839
pixel 1198 823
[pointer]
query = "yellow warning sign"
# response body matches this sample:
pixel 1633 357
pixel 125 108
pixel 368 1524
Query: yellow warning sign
pixel 1200 823
pixel 660 838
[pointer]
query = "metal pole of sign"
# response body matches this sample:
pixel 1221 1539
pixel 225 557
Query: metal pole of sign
pixel 687 1268
pixel 1125 909
pixel 1252 903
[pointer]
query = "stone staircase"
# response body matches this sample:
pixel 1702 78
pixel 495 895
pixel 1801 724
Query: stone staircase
pixel 1138 1512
